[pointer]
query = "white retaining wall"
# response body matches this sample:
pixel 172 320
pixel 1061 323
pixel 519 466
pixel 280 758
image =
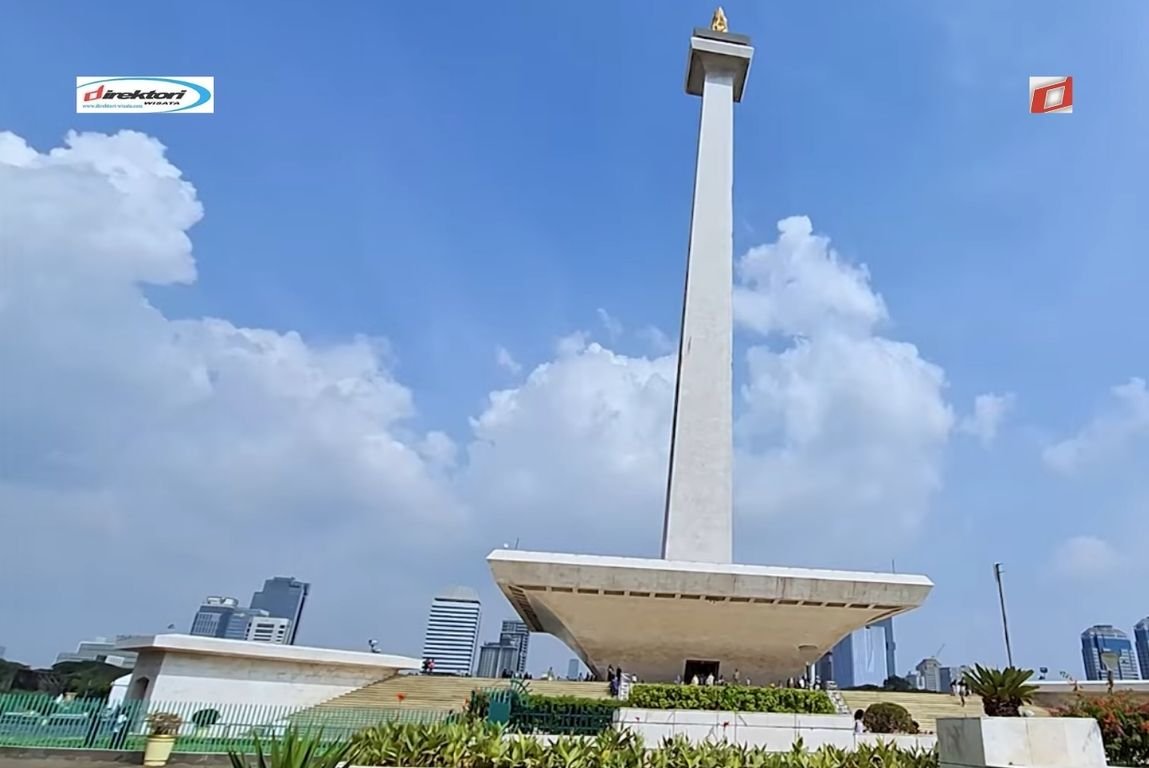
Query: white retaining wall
pixel 775 732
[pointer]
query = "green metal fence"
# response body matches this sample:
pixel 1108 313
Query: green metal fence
pixel 39 720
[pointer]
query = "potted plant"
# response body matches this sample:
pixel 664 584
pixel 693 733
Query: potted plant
pixel 163 727
pixel 1003 691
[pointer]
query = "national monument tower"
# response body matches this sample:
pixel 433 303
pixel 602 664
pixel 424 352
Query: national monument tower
pixel 693 610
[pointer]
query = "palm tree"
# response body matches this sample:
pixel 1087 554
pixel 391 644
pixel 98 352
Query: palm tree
pixel 1002 691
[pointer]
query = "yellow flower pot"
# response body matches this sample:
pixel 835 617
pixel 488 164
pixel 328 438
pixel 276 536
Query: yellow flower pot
pixel 158 749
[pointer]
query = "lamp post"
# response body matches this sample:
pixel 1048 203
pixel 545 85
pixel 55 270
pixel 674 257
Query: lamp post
pixel 1004 622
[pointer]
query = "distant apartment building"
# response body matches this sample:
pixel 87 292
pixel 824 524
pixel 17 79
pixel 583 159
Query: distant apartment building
pixel 515 633
pixel 929 675
pixel 574 668
pixel 861 658
pixel 837 664
pixel 495 660
pixel 283 597
pixel 214 618
pixel 951 675
pixel 452 636
pixel 1101 640
pixel 1141 640
pixel 224 617
pixel 268 629
pixel 103 650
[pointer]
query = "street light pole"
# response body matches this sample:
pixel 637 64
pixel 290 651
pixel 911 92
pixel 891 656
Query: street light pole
pixel 1004 621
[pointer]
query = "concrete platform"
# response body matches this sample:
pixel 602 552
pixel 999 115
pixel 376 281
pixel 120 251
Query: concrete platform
pixel 178 669
pixel 652 616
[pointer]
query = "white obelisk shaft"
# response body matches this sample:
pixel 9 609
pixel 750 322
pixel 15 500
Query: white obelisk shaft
pixel 698 524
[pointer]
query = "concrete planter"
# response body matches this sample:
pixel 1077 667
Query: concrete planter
pixel 1050 742
pixel 774 731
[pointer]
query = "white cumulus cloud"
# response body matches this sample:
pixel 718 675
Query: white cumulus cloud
pixel 1123 420
pixel 1086 558
pixel 989 411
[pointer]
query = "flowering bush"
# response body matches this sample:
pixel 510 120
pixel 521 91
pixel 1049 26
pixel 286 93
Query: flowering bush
pixel 1124 725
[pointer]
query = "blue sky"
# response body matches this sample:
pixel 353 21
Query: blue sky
pixel 448 179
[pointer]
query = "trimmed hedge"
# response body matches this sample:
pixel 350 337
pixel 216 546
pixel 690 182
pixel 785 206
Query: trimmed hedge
pixel 730 698
pixel 888 717
pixel 551 714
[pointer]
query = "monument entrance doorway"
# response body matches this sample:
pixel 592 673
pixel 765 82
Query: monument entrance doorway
pixel 701 668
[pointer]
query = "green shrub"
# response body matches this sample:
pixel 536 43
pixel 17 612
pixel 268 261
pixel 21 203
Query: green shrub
pixel 297 749
pixel 730 698
pixel 1124 725
pixel 482 745
pixel 888 717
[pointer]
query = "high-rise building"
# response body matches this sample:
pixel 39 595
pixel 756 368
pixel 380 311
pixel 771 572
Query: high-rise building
pixel 268 629
pixel 223 617
pixel 929 675
pixel 837 664
pixel 516 633
pixel 214 616
pixel 887 627
pixel 453 631
pixel 283 598
pixel 1141 640
pixel 573 669
pixel 495 660
pixel 1102 639
pixel 858 658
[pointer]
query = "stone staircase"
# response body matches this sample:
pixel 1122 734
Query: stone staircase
pixel 924 708
pixel 447 693
pixel 840 705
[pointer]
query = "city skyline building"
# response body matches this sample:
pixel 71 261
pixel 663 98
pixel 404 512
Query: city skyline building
pixel 860 658
pixel 452 635
pixel 496 659
pixel 837 664
pixel 224 617
pixel 929 675
pixel 574 669
pixel 283 597
pixel 516 633
pixel 267 629
pixel 1105 638
pixel 891 646
pixel 1141 642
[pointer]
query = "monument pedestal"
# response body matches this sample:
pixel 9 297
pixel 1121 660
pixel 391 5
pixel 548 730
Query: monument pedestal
pixel 651 616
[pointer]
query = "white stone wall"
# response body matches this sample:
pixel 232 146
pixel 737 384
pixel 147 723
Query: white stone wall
pixel 775 732
pixel 1050 742
pixel 217 679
